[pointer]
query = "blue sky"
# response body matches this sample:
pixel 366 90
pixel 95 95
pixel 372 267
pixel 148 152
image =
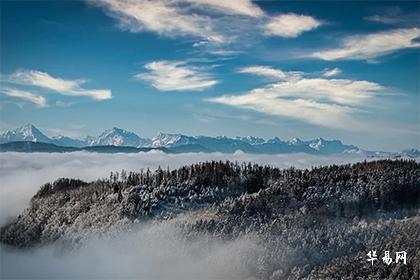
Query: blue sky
pixel 347 70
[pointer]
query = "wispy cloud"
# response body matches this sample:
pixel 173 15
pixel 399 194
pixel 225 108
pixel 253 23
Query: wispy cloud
pixel 238 7
pixel 213 22
pixel 64 87
pixel 323 114
pixel 395 15
pixel 39 100
pixel 164 17
pixel 320 101
pixel 331 72
pixel 264 71
pixel 363 47
pixel 269 72
pixel 291 25
pixel 176 76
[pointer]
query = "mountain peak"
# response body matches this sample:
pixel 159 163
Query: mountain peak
pixel 27 132
pixel 172 140
pixel 119 137
pixel 274 140
pixel 252 140
pixel 30 128
pixel 295 141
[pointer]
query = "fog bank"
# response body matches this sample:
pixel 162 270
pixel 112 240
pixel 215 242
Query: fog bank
pixel 154 251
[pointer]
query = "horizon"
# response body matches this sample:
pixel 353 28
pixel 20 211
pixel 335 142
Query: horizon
pixel 299 70
pixel 237 137
pixel 157 134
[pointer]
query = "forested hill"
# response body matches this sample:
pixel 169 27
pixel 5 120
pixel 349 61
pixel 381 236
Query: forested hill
pixel 315 223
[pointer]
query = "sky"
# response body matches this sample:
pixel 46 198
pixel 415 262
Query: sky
pixel 338 70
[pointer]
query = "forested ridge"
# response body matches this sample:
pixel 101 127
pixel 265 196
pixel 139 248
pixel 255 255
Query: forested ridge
pixel 317 223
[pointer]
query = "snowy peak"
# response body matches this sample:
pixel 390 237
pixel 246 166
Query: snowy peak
pixel 172 140
pixel 27 132
pixel 118 137
pixel 317 144
pixel 295 142
pixel 252 140
pixel 330 146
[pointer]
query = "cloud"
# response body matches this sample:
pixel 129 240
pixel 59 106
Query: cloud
pixel 142 250
pixel 331 72
pixel 175 75
pixel 363 47
pixel 270 72
pixel 312 112
pixel 395 15
pixel 291 25
pixel 224 52
pixel 319 101
pixel 39 100
pixel 263 71
pixel 238 7
pixel 212 22
pixel 164 17
pixel 64 87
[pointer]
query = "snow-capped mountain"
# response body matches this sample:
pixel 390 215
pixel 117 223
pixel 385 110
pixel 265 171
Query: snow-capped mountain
pixel 330 146
pixel 172 140
pixel 251 140
pixel 118 137
pixel 27 132
pixel 183 143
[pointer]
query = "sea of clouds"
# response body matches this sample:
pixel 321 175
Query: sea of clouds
pixel 154 251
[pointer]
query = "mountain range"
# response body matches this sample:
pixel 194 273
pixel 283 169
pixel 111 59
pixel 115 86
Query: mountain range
pixel 117 137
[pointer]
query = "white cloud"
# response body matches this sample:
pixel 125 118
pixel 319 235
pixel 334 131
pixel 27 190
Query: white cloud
pixel 320 101
pixel 39 100
pixel 224 52
pixel 264 71
pixel 373 45
pixel 270 72
pixel 331 72
pixel 238 7
pixel 322 114
pixel 291 25
pixel 164 17
pixel 175 75
pixel 212 22
pixel 341 91
pixel 64 87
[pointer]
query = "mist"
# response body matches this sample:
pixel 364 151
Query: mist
pixel 151 251
pixel 148 250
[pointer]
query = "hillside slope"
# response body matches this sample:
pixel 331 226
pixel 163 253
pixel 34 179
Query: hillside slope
pixel 317 223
